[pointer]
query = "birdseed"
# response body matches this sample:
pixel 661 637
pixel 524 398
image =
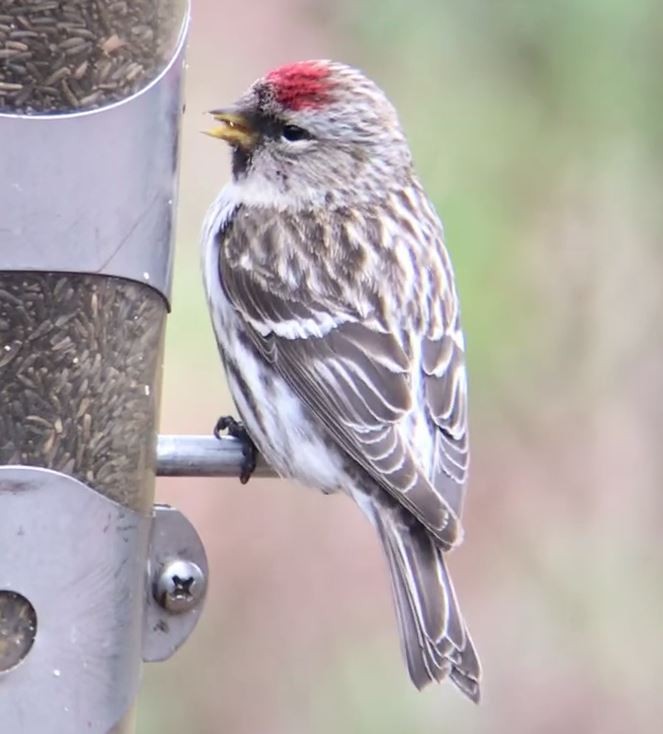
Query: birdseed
pixel 80 359
pixel 18 628
pixel 68 55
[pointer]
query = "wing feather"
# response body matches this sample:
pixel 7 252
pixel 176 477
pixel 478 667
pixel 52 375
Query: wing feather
pixel 355 378
pixel 446 398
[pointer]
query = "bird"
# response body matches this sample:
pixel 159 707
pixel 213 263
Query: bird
pixel 333 302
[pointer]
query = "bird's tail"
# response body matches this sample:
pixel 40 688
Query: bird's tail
pixel 434 638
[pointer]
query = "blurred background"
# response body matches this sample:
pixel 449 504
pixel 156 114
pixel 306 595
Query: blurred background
pixel 537 129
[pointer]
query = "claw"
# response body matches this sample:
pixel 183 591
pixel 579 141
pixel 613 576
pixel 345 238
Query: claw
pixel 236 429
pixel 223 424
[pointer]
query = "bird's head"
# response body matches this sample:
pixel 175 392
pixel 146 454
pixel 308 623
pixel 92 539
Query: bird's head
pixel 314 131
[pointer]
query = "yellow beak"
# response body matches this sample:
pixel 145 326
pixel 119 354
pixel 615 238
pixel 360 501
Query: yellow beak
pixel 235 129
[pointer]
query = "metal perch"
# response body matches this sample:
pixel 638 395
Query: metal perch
pixel 203 456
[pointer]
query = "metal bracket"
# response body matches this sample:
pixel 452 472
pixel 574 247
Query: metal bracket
pixel 177 576
pixel 78 560
pixel 84 583
pixel 60 184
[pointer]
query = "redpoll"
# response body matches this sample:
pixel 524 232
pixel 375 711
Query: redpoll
pixel 334 306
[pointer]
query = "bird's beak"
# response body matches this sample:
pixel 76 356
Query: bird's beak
pixel 236 129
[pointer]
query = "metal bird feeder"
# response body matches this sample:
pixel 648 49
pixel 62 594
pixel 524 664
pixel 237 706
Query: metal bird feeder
pixel 93 577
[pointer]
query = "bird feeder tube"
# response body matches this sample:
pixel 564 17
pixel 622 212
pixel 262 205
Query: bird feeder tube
pixel 90 105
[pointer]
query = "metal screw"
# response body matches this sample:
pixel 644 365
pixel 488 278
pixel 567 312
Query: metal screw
pixel 180 586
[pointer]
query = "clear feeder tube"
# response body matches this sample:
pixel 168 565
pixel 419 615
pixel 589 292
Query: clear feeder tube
pixel 90 104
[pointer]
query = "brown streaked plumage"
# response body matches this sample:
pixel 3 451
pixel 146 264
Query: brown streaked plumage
pixel 333 302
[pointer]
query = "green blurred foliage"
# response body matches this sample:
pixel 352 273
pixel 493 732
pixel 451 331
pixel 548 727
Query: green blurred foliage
pixel 499 100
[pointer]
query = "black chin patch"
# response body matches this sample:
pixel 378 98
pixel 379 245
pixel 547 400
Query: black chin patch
pixel 241 162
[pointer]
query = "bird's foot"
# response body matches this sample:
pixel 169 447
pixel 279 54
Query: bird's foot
pixel 236 429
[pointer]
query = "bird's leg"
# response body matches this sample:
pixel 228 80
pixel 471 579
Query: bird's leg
pixel 236 429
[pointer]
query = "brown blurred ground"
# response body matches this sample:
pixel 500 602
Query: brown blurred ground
pixel 537 132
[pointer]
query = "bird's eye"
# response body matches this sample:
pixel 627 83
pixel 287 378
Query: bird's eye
pixel 294 133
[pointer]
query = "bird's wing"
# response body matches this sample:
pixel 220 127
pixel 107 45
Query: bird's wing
pixel 357 380
pixel 445 390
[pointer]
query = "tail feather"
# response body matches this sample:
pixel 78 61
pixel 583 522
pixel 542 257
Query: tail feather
pixel 434 637
pixel 417 664
pixel 466 673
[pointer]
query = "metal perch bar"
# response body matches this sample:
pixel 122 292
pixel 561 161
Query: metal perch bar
pixel 203 456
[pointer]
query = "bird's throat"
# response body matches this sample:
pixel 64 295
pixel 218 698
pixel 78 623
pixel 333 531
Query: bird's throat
pixel 241 162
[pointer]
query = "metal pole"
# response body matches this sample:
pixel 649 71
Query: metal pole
pixel 203 456
pixel 87 201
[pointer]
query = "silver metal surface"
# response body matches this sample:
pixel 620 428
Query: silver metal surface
pixel 94 192
pixel 79 558
pixel 175 549
pixel 203 456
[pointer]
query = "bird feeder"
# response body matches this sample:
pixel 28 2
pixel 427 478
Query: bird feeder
pixel 94 579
